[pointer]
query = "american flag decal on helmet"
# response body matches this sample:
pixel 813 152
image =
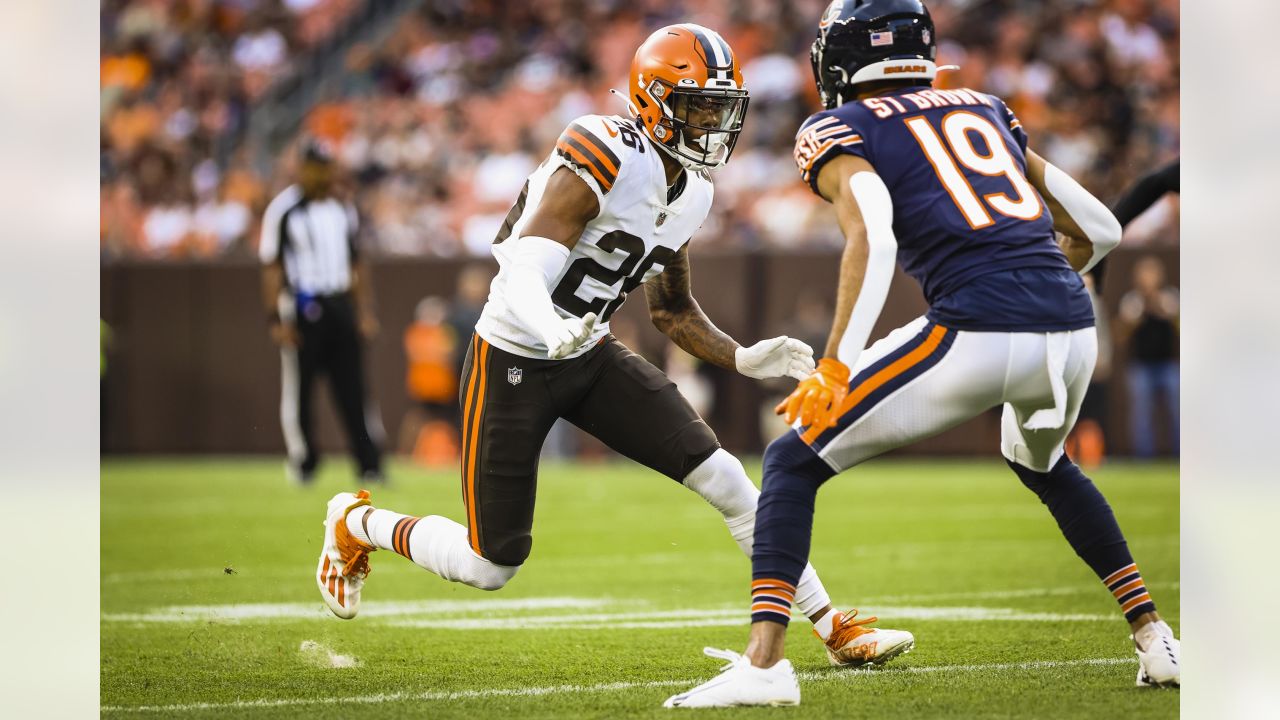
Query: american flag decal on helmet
pixel 879 39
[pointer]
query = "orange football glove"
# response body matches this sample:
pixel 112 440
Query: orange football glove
pixel 817 399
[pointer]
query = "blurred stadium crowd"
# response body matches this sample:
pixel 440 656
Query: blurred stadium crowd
pixel 438 126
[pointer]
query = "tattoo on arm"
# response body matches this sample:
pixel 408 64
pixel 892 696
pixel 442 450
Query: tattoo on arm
pixel 677 315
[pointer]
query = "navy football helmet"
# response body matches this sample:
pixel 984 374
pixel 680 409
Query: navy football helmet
pixel 864 40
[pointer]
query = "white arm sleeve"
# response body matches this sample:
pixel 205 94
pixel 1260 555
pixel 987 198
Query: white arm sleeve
pixel 1097 222
pixel 537 263
pixel 877 215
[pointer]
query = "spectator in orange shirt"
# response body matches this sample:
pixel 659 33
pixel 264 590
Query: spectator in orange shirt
pixel 432 382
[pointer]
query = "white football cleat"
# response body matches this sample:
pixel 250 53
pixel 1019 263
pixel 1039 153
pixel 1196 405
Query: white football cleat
pixel 741 683
pixel 1159 653
pixel 344 560
pixel 853 644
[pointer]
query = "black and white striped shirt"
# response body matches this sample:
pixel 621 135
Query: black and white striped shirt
pixel 314 238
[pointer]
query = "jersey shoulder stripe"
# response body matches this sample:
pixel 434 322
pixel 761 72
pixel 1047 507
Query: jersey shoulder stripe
pixel 819 139
pixel 582 148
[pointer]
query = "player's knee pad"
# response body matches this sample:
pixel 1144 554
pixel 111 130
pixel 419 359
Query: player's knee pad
pixel 510 549
pixel 790 460
pixel 722 481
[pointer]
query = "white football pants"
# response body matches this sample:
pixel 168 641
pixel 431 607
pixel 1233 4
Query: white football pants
pixel 923 378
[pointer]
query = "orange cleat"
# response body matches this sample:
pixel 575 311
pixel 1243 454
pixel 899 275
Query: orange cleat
pixel 344 560
pixel 853 644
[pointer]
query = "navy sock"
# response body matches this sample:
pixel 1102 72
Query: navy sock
pixel 793 472
pixel 1089 525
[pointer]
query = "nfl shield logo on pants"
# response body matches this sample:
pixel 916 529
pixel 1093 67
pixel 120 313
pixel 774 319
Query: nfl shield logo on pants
pixel 515 375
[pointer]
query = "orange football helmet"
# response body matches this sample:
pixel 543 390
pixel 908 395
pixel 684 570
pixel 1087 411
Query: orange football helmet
pixel 686 91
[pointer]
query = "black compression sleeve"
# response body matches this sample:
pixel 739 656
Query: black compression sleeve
pixel 1146 191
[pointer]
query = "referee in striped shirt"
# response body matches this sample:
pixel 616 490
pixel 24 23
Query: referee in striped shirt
pixel 316 303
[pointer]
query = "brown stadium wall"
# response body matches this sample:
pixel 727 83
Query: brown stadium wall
pixel 191 369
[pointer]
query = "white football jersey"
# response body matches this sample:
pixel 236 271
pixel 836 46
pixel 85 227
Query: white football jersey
pixel 632 239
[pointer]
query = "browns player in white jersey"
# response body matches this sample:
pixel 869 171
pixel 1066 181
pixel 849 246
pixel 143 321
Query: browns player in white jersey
pixel 613 206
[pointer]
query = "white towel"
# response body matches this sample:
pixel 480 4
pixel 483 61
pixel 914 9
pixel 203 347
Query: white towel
pixel 1057 347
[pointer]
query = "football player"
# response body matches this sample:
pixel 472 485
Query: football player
pixel 613 206
pixel 943 181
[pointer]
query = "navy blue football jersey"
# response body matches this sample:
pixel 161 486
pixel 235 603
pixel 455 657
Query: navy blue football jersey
pixel 971 228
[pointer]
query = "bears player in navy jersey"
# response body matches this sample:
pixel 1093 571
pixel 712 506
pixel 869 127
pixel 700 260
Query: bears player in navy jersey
pixel 942 180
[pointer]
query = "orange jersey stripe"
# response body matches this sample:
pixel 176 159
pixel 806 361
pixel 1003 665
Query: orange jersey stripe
pixel 873 383
pixel 572 152
pixel 593 145
pixel 827 145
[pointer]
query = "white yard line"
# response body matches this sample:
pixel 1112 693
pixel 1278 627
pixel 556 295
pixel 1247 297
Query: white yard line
pixel 809 677
pixel 1006 594
pixel 306 611
pixel 478 614
pixel 723 617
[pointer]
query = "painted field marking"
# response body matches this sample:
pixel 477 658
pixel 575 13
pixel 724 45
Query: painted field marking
pixel 729 616
pixel 307 611
pixel 478 614
pixel 809 677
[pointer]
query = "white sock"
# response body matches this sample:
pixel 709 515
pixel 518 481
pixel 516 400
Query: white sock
pixel 722 481
pixel 374 526
pixel 826 624
pixel 433 543
pixel 811 596
pixel 355 523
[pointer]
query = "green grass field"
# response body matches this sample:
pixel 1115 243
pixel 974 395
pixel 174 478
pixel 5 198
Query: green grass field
pixel 209 607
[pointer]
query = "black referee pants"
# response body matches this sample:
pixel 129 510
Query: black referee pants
pixel 329 343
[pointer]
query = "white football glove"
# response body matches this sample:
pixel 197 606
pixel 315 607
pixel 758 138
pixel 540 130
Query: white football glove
pixel 775 357
pixel 568 335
